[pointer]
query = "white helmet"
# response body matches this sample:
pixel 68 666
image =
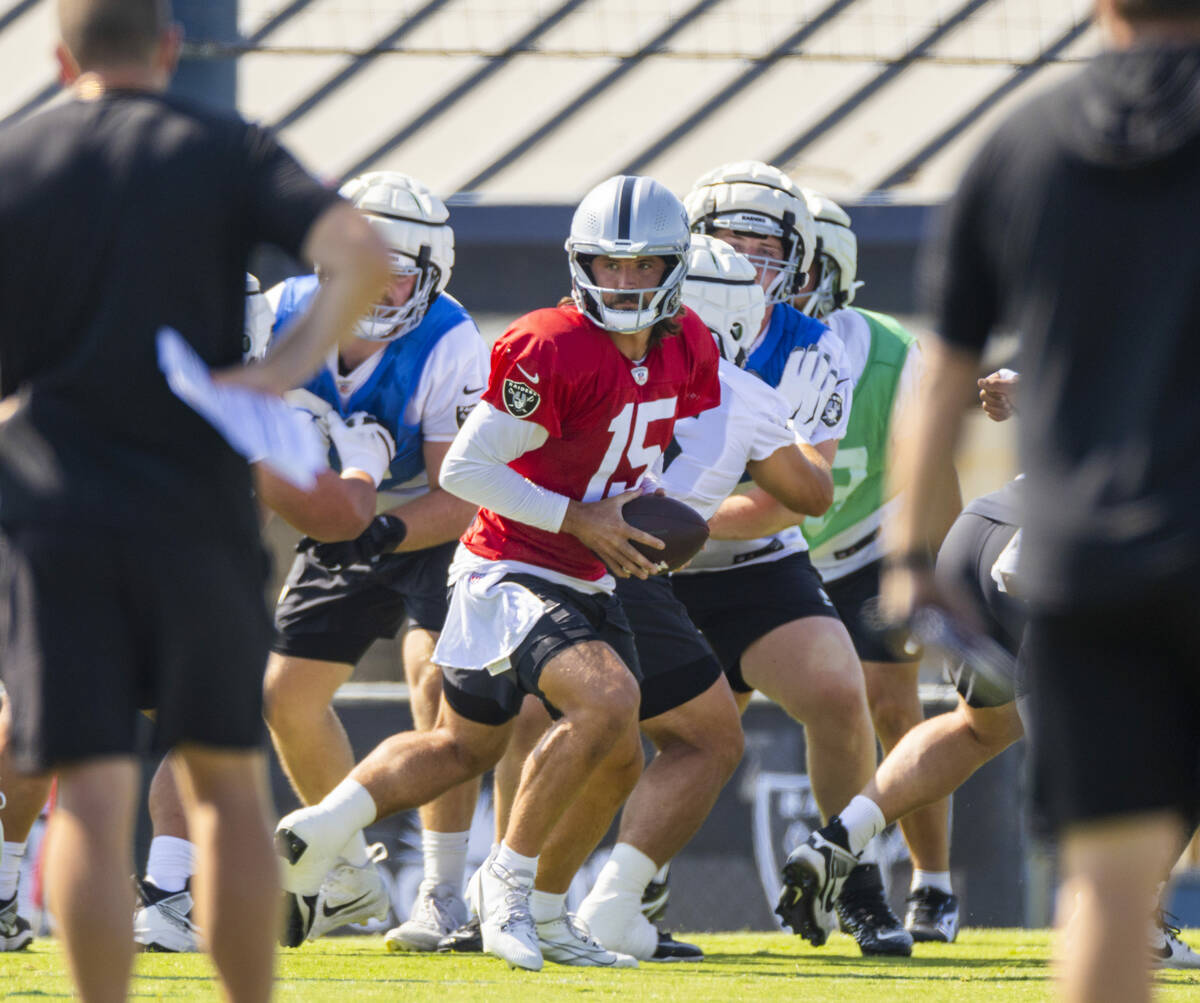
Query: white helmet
pixel 722 287
pixel 412 222
pixel 256 333
pixel 628 217
pixel 752 197
pixel 837 257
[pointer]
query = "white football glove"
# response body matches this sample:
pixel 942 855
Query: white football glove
pixel 362 442
pixel 807 381
pixel 317 408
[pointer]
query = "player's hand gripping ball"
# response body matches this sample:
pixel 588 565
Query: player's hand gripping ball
pixel 679 526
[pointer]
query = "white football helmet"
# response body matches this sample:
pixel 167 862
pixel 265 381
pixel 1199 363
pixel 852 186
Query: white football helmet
pixel 413 223
pixel 628 217
pixel 756 198
pixel 722 287
pixel 256 333
pixel 837 257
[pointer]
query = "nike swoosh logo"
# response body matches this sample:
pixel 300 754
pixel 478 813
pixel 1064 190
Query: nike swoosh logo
pixel 467 391
pixel 1162 953
pixel 531 379
pixel 344 906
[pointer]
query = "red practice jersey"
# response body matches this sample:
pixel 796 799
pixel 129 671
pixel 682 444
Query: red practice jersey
pixel 609 419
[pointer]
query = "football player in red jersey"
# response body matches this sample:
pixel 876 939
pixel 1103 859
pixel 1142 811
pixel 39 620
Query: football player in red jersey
pixel 581 404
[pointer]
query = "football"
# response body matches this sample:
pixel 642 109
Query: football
pixel 679 526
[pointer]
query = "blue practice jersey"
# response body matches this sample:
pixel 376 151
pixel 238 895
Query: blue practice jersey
pixel 386 393
pixel 789 329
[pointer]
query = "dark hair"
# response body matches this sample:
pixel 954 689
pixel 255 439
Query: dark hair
pixel 663 329
pixel 105 33
pixel 1137 10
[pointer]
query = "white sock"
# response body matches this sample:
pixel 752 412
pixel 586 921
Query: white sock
pixel 626 872
pixel 10 868
pixel 171 862
pixel 931 879
pixel 445 855
pixel 546 906
pixel 863 821
pixel 341 815
pixel 355 851
pixel 514 863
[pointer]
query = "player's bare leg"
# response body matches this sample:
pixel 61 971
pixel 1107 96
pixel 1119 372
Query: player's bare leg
pixel 236 885
pixel 699 746
pixel 1111 870
pixel 308 736
pixel 165 918
pixel 935 758
pixel 532 723
pixel 599 698
pixel 810 669
pixel 445 822
pixel 22 802
pixel 88 859
pixel 896 709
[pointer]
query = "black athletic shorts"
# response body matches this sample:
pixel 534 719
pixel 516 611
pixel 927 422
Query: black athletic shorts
pixel 95 626
pixel 571 618
pixel 1114 706
pixel 856 597
pixel 677 663
pixel 964 566
pixel 334 616
pixel 735 607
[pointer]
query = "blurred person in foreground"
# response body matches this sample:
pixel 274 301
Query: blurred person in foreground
pixel 1075 225
pixel 101 467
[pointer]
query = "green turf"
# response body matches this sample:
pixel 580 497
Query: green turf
pixel 992 965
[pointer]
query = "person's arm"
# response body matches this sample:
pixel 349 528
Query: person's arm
pixel 758 512
pixel 436 517
pixel 926 448
pixel 339 507
pixel 353 263
pixel 476 469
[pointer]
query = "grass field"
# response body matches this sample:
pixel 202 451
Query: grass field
pixel 992 965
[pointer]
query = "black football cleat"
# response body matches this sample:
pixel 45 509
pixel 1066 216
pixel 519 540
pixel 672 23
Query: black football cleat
pixel 932 915
pixel 669 949
pixel 654 900
pixel 812 880
pixel 467 939
pixel 866 916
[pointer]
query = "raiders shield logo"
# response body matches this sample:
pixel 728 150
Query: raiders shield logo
pixel 833 410
pixel 640 374
pixel 520 399
pixel 461 412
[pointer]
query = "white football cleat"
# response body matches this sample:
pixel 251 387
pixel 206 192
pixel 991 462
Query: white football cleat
pixel 502 899
pixel 306 860
pixel 566 941
pixel 616 921
pixel 15 931
pixel 163 920
pixel 1166 949
pixel 438 911
pixel 351 894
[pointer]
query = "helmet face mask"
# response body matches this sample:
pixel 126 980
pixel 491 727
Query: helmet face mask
pixel 722 287
pixel 413 223
pixel 628 218
pixel 754 199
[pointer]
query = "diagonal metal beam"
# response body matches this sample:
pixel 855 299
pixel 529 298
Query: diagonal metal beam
pixel 35 102
pixel 276 21
pixel 360 63
pixel 885 77
pixel 573 107
pixel 15 11
pixel 461 90
pixel 960 125
pixel 732 90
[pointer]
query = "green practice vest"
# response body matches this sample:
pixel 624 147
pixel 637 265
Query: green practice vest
pixel 858 467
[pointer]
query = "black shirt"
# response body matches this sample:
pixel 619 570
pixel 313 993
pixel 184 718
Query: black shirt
pixel 118 216
pixel 1078 226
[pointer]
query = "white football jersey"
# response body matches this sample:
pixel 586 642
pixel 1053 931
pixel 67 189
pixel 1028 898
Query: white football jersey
pixel 750 423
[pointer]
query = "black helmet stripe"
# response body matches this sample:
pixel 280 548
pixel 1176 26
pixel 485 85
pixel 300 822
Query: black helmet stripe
pixel 625 207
